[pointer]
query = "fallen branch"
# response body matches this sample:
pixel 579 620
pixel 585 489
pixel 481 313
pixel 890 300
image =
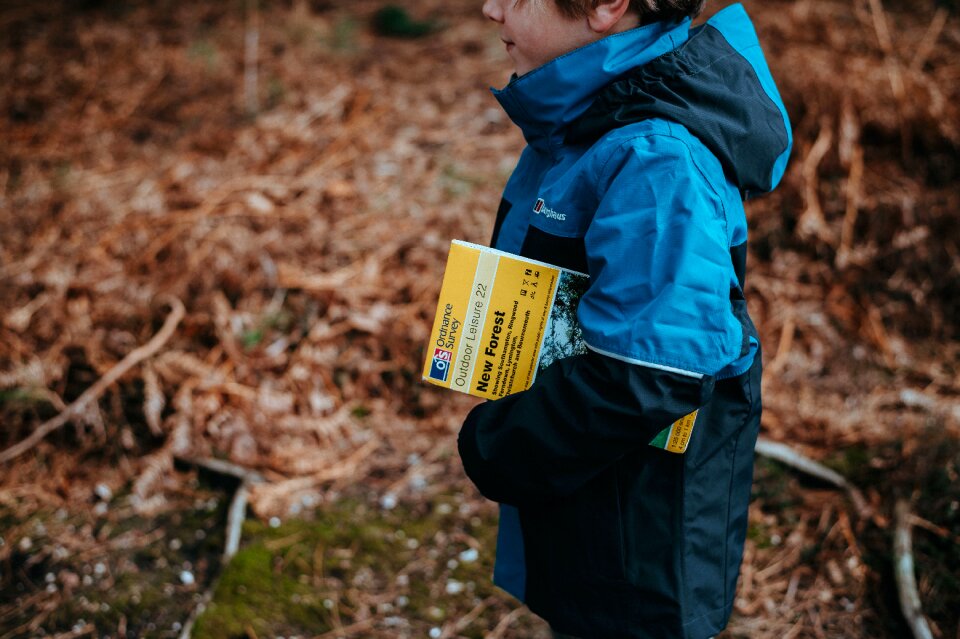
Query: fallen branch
pixel 224 468
pixel 238 505
pixel 789 457
pixel 92 394
pixel 904 575
pixel 235 517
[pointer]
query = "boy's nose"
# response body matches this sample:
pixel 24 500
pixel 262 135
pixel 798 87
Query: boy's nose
pixel 493 10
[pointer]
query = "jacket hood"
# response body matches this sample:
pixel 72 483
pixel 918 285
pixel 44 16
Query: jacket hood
pixel 545 101
pixel 717 84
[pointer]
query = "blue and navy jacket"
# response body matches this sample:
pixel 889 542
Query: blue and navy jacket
pixel 640 151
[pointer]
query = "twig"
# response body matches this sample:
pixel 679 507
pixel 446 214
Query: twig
pixel 464 622
pixel 346 631
pixel 850 125
pixel 345 468
pixel 38 255
pixel 126 541
pixel 886 45
pixel 877 332
pixel 903 572
pixel 929 526
pixel 19 319
pixel 155 76
pixel 786 455
pixel 893 70
pixel 853 200
pixel 812 222
pixel 92 394
pixel 251 43
pixel 86 629
pixel 505 623
pixel 153 400
pixel 783 347
pixel 197 611
pixel 929 40
pixel 48 604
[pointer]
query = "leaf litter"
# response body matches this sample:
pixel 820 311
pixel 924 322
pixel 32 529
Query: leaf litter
pixel 306 241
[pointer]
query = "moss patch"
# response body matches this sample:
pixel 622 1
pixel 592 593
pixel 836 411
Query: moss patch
pixel 403 571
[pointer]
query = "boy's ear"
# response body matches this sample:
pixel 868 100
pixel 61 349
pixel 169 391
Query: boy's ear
pixel 607 15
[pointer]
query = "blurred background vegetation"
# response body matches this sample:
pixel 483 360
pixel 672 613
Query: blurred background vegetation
pixel 222 230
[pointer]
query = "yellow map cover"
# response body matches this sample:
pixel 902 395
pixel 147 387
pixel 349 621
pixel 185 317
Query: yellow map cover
pixel 502 318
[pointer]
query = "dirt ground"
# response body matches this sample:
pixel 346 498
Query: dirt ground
pixel 222 228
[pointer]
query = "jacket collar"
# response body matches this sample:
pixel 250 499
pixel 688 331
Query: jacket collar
pixel 546 100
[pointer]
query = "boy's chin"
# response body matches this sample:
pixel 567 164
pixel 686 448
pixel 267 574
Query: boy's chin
pixel 521 68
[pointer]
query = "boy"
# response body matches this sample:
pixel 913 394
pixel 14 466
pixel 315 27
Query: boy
pixel 644 137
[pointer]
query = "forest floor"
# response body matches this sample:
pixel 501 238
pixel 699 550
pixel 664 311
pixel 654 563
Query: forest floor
pixel 194 267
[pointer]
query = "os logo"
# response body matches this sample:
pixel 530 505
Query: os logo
pixel 440 369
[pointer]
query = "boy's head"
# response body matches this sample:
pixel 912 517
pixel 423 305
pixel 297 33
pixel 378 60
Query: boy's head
pixel 537 31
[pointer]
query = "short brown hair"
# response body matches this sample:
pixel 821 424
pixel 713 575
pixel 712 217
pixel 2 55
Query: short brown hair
pixel 649 10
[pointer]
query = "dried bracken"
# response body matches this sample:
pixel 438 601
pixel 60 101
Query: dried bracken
pixel 294 180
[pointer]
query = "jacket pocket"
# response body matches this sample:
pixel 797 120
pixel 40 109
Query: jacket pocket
pixel 726 414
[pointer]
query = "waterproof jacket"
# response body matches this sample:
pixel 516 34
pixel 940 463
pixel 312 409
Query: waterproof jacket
pixel 641 149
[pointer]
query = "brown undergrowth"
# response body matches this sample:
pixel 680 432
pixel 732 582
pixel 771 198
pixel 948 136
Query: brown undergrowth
pixel 306 242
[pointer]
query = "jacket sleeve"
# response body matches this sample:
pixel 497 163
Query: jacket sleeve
pixel 657 321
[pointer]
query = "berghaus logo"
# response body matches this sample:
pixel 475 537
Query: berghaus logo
pixel 541 208
pixel 440 367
